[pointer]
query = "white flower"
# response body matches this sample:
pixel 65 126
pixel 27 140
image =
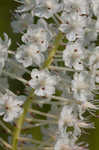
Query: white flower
pixel 73 25
pixel 10 106
pixel 22 22
pixel 78 64
pixel 90 35
pixel 38 34
pixel 72 6
pixel 94 58
pixel 42 82
pixel 73 55
pixel 66 118
pixel 82 85
pixel 62 144
pixel 47 8
pixel 4 45
pixel 29 54
pixel 95 5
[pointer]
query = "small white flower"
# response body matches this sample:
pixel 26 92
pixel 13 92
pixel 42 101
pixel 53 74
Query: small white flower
pixel 73 25
pixel 73 55
pixel 62 144
pixel 94 58
pixel 95 5
pixel 42 82
pixel 47 8
pixel 22 22
pixel 4 45
pixel 29 54
pixel 66 118
pixel 10 106
pixel 38 34
pixel 90 33
pixel 78 64
pixel 82 85
pixel 72 6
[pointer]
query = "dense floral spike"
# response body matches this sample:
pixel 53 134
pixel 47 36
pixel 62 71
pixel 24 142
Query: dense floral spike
pixel 59 56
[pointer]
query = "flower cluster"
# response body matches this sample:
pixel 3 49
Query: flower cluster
pixel 36 41
pixel 59 52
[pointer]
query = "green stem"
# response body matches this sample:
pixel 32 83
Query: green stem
pixel 20 121
pixel 53 50
pixel 42 113
pixel 28 102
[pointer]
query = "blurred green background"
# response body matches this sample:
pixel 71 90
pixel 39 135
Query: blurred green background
pixel 7 8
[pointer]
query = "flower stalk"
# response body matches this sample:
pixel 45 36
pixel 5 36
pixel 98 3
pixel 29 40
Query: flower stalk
pixel 31 96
